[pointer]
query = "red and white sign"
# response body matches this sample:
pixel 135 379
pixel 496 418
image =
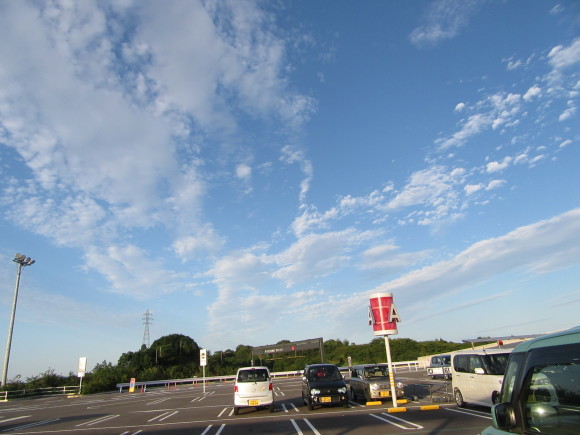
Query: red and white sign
pixel 383 314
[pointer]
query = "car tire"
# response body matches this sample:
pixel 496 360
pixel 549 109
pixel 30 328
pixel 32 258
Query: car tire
pixel 236 410
pixel 310 406
pixel 271 407
pixel 458 398
pixel 353 394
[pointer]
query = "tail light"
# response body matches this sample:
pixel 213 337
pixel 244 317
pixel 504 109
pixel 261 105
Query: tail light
pixel 271 387
pixel 235 388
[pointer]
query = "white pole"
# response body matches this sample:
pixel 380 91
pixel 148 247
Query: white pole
pixel 203 379
pixel 391 374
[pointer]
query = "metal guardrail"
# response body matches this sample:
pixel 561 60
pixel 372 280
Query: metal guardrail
pixel 169 383
pixel 33 392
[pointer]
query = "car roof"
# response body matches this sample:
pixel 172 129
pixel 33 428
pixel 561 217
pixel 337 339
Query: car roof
pixel 482 351
pixel 321 365
pixel 253 368
pixel 371 365
pixel 569 336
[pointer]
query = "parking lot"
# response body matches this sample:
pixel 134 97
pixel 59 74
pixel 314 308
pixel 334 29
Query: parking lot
pixel 188 409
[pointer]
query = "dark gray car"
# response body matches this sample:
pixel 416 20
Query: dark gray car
pixel 322 385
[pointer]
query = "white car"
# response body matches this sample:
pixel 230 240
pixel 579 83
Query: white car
pixel 253 388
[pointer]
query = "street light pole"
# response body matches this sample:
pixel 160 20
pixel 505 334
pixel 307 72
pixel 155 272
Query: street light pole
pixel 21 260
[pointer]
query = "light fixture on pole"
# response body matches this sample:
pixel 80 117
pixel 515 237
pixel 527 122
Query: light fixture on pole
pixel 21 260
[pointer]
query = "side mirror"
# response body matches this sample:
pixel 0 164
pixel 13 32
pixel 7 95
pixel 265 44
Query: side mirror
pixel 303 378
pixel 504 417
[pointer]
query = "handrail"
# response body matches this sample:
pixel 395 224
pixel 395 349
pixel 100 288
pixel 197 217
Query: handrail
pixel 195 380
pixel 30 392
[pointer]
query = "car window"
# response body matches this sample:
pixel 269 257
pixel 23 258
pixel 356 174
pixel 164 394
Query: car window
pixel 552 402
pixel 376 372
pixel 461 363
pixel 256 375
pixel 324 373
pixel 510 377
pixel 474 363
pixel 495 364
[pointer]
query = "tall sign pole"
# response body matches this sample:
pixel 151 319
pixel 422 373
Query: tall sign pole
pixel 82 371
pixel 383 317
pixel 203 363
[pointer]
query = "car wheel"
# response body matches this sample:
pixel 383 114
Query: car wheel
pixel 459 398
pixel 272 407
pixel 353 394
pixel 310 406
pixel 236 410
pixel 368 397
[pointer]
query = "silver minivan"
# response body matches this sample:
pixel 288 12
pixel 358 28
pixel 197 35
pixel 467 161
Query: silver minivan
pixel 477 375
pixel 253 388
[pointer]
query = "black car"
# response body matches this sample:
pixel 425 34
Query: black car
pixel 322 384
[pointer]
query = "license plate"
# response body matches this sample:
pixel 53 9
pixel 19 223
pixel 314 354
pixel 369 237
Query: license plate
pixel 325 399
pixel 253 402
pixel 385 394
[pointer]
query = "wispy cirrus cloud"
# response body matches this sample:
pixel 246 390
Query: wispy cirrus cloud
pixel 444 19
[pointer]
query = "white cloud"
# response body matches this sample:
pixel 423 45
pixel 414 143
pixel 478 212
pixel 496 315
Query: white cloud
pixel 498 166
pixel 470 189
pixel 243 171
pixel 460 107
pixel 495 184
pixel 316 255
pixel 433 186
pixel 563 57
pixel 567 114
pixel 132 272
pixel 534 91
pixel 386 258
pixel 292 155
pixel 444 19
pixel 542 247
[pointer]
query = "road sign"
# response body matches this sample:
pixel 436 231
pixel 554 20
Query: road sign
pixel 203 357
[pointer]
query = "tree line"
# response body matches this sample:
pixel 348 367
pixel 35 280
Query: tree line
pixel 176 356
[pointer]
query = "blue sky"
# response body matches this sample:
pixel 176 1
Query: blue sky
pixel 252 171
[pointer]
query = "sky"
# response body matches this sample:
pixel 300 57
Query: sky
pixel 252 171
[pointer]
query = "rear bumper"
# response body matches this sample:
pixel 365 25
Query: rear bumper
pixel 253 401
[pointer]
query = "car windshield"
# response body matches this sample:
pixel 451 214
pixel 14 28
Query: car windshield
pixel 254 375
pixel 376 372
pixel 324 373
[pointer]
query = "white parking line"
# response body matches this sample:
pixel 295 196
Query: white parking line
pixel 471 412
pixel 97 420
pixel 29 425
pixel 297 428
pixel 155 402
pixel 163 416
pixel 416 426
pixel 292 405
pixel 14 418
pixel 210 426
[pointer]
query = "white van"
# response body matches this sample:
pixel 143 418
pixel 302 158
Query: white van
pixel 477 375
pixel 253 387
